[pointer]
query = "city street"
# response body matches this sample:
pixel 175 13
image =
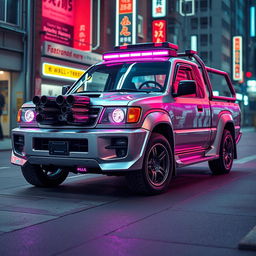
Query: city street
pixel 106 85
pixel 201 214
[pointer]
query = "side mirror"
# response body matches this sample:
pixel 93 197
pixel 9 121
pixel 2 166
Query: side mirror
pixel 185 87
pixel 65 89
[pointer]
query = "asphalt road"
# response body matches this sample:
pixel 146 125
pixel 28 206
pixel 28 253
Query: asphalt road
pixel 201 214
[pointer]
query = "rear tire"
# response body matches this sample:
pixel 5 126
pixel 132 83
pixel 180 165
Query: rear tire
pixel 156 174
pixel 224 163
pixel 44 176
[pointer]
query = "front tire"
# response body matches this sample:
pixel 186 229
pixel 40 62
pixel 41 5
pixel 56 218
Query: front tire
pixel 156 174
pixel 44 176
pixel 224 163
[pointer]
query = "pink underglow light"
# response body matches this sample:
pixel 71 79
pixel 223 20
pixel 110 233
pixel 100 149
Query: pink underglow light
pixel 81 169
pixel 155 53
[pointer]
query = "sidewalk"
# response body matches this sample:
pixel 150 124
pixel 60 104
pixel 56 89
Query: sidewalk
pixel 5 144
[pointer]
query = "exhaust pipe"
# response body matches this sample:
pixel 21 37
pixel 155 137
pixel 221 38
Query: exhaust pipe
pixel 74 110
pixel 74 118
pixel 80 100
pixel 65 109
pixel 60 100
pixel 48 101
pixel 62 118
pixel 37 100
pixel 40 118
pixel 45 110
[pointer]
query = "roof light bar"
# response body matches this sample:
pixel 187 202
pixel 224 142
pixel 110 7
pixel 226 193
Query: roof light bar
pixel 146 46
pixel 143 54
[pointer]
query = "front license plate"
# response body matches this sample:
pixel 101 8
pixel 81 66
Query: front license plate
pixel 58 148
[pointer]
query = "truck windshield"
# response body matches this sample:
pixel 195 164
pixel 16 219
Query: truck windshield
pixel 124 77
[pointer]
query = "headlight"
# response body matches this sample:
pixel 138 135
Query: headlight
pixel 120 115
pixel 29 116
pixel 26 117
pixel 113 115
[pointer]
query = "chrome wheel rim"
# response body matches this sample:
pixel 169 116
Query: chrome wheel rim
pixel 228 151
pixel 158 165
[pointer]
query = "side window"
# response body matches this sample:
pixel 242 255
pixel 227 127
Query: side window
pixel 183 73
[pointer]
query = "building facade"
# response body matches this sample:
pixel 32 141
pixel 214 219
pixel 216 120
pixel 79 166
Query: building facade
pixel 46 44
pixel 15 57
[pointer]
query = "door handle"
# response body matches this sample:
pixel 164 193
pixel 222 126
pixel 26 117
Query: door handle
pixel 200 108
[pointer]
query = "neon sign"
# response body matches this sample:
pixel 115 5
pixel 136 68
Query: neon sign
pixel 68 22
pixel 159 31
pixel 237 58
pixel 158 8
pixel 125 22
pixel 62 72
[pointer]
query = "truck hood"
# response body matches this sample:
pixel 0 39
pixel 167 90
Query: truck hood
pixel 119 98
pixel 111 98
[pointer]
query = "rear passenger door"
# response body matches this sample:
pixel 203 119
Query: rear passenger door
pixel 191 112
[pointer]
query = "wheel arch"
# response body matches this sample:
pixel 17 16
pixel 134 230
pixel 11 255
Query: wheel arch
pixel 160 122
pixel 225 122
pixel 231 127
pixel 166 130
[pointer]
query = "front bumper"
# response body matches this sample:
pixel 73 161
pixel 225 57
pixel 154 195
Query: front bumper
pixel 98 155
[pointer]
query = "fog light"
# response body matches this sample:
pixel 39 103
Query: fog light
pixel 121 152
pixel 120 145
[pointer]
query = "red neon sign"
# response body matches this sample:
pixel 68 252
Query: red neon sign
pixel 68 23
pixel 82 25
pixel 125 6
pixel 159 31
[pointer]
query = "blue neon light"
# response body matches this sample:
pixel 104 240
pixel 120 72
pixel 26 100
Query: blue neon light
pixel 252 23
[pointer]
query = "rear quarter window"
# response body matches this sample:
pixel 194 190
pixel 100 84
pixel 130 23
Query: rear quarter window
pixel 220 83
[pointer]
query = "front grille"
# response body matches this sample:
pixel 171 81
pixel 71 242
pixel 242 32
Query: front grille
pixel 74 145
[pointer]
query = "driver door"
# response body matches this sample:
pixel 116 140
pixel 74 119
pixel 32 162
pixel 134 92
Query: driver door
pixel 191 113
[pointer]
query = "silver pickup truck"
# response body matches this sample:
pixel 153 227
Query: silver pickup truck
pixel 142 112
